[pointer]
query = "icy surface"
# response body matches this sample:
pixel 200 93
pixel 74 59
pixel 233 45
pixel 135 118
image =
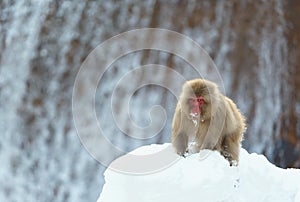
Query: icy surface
pixel 207 179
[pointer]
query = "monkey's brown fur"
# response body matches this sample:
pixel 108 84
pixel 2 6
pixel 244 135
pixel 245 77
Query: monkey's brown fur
pixel 220 125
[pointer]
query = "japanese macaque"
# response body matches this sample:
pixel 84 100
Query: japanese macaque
pixel 209 119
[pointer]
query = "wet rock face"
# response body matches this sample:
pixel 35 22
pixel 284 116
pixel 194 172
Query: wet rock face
pixel 254 45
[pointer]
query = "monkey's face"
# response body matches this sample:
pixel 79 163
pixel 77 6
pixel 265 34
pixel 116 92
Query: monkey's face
pixel 196 98
pixel 195 104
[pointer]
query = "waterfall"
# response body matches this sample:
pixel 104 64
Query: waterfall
pixel 43 44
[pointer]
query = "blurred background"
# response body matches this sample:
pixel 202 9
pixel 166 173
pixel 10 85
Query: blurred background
pixel 254 44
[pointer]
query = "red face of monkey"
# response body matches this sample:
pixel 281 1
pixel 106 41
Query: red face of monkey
pixel 195 104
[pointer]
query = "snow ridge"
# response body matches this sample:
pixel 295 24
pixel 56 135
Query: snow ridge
pixel 206 176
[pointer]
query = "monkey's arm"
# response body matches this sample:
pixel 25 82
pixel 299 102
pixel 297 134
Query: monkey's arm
pixel 179 138
pixel 214 134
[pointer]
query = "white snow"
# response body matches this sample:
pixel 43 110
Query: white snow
pixel 156 173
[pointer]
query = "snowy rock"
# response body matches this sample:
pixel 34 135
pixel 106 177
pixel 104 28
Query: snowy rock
pixel 156 173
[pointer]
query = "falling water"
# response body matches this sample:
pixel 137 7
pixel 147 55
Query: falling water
pixel 43 44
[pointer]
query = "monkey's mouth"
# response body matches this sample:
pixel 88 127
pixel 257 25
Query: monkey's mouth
pixel 194 115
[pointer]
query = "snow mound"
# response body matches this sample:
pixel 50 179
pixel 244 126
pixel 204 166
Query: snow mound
pixel 205 176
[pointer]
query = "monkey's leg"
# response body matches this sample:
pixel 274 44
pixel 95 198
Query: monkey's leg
pixel 180 143
pixel 218 147
pixel 231 148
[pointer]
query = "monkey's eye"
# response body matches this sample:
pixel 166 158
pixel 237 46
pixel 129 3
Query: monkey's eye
pixel 196 101
pixel 192 100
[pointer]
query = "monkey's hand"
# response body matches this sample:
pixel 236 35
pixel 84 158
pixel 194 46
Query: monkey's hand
pixel 181 151
pixel 228 157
